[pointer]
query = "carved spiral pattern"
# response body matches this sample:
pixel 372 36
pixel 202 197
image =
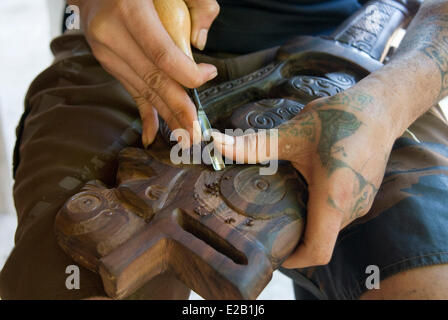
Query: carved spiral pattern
pixel 261 121
pixel 271 102
pixel 280 110
pixel 341 79
pixel 84 203
pixel 216 90
pixel 316 86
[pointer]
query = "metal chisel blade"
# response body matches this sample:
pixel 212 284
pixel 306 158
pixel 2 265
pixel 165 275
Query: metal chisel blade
pixel 216 158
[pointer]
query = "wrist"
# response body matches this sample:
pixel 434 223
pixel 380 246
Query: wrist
pixel 387 106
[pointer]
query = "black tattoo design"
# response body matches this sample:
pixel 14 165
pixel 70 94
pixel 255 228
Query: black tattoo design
pixel 431 38
pixel 336 125
pixel 303 126
pixel 355 100
pixel 363 201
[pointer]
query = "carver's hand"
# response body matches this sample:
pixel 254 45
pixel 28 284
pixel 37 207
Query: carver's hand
pixel 340 145
pixel 131 43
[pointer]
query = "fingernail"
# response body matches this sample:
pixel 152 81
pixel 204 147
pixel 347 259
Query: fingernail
pixel 212 74
pixel 201 39
pixel 197 133
pixel 145 141
pixel 223 138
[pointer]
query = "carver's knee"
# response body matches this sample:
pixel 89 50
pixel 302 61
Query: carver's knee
pixel 430 282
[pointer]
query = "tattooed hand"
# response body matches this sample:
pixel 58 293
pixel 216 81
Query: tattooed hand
pixel 341 148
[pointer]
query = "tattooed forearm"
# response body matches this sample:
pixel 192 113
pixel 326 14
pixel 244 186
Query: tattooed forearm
pixel 303 126
pixel 355 100
pixel 430 37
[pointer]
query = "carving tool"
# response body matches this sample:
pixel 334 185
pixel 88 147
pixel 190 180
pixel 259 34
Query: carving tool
pixel 175 17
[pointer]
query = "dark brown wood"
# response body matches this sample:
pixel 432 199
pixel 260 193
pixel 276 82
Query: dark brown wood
pixel 221 233
pixel 218 232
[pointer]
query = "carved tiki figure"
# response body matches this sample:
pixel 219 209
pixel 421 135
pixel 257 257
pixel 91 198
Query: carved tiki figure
pixel 222 233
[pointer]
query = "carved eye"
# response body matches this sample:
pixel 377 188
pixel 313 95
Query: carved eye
pixel 254 195
pixel 256 189
pixel 84 203
pixel 83 214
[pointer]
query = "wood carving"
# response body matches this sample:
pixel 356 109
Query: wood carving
pixel 222 233
pixel 216 231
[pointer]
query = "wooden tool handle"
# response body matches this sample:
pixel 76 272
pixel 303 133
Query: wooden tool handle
pixel 175 17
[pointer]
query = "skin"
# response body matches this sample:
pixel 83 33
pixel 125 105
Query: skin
pixel 145 59
pixel 340 144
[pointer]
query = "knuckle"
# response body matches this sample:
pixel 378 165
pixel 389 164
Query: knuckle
pixel 195 82
pixel 98 29
pixel 161 58
pixel 140 101
pixel 342 194
pixel 212 8
pixel 179 113
pixel 149 95
pixel 154 79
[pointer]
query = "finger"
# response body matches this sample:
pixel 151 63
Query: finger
pixel 250 148
pixel 282 143
pixel 147 30
pixel 150 121
pixel 137 88
pixel 125 74
pixel 174 96
pixel 202 13
pixel 322 228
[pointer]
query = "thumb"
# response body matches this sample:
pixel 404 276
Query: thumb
pixel 202 13
pixel 249 148
pixel 322 228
